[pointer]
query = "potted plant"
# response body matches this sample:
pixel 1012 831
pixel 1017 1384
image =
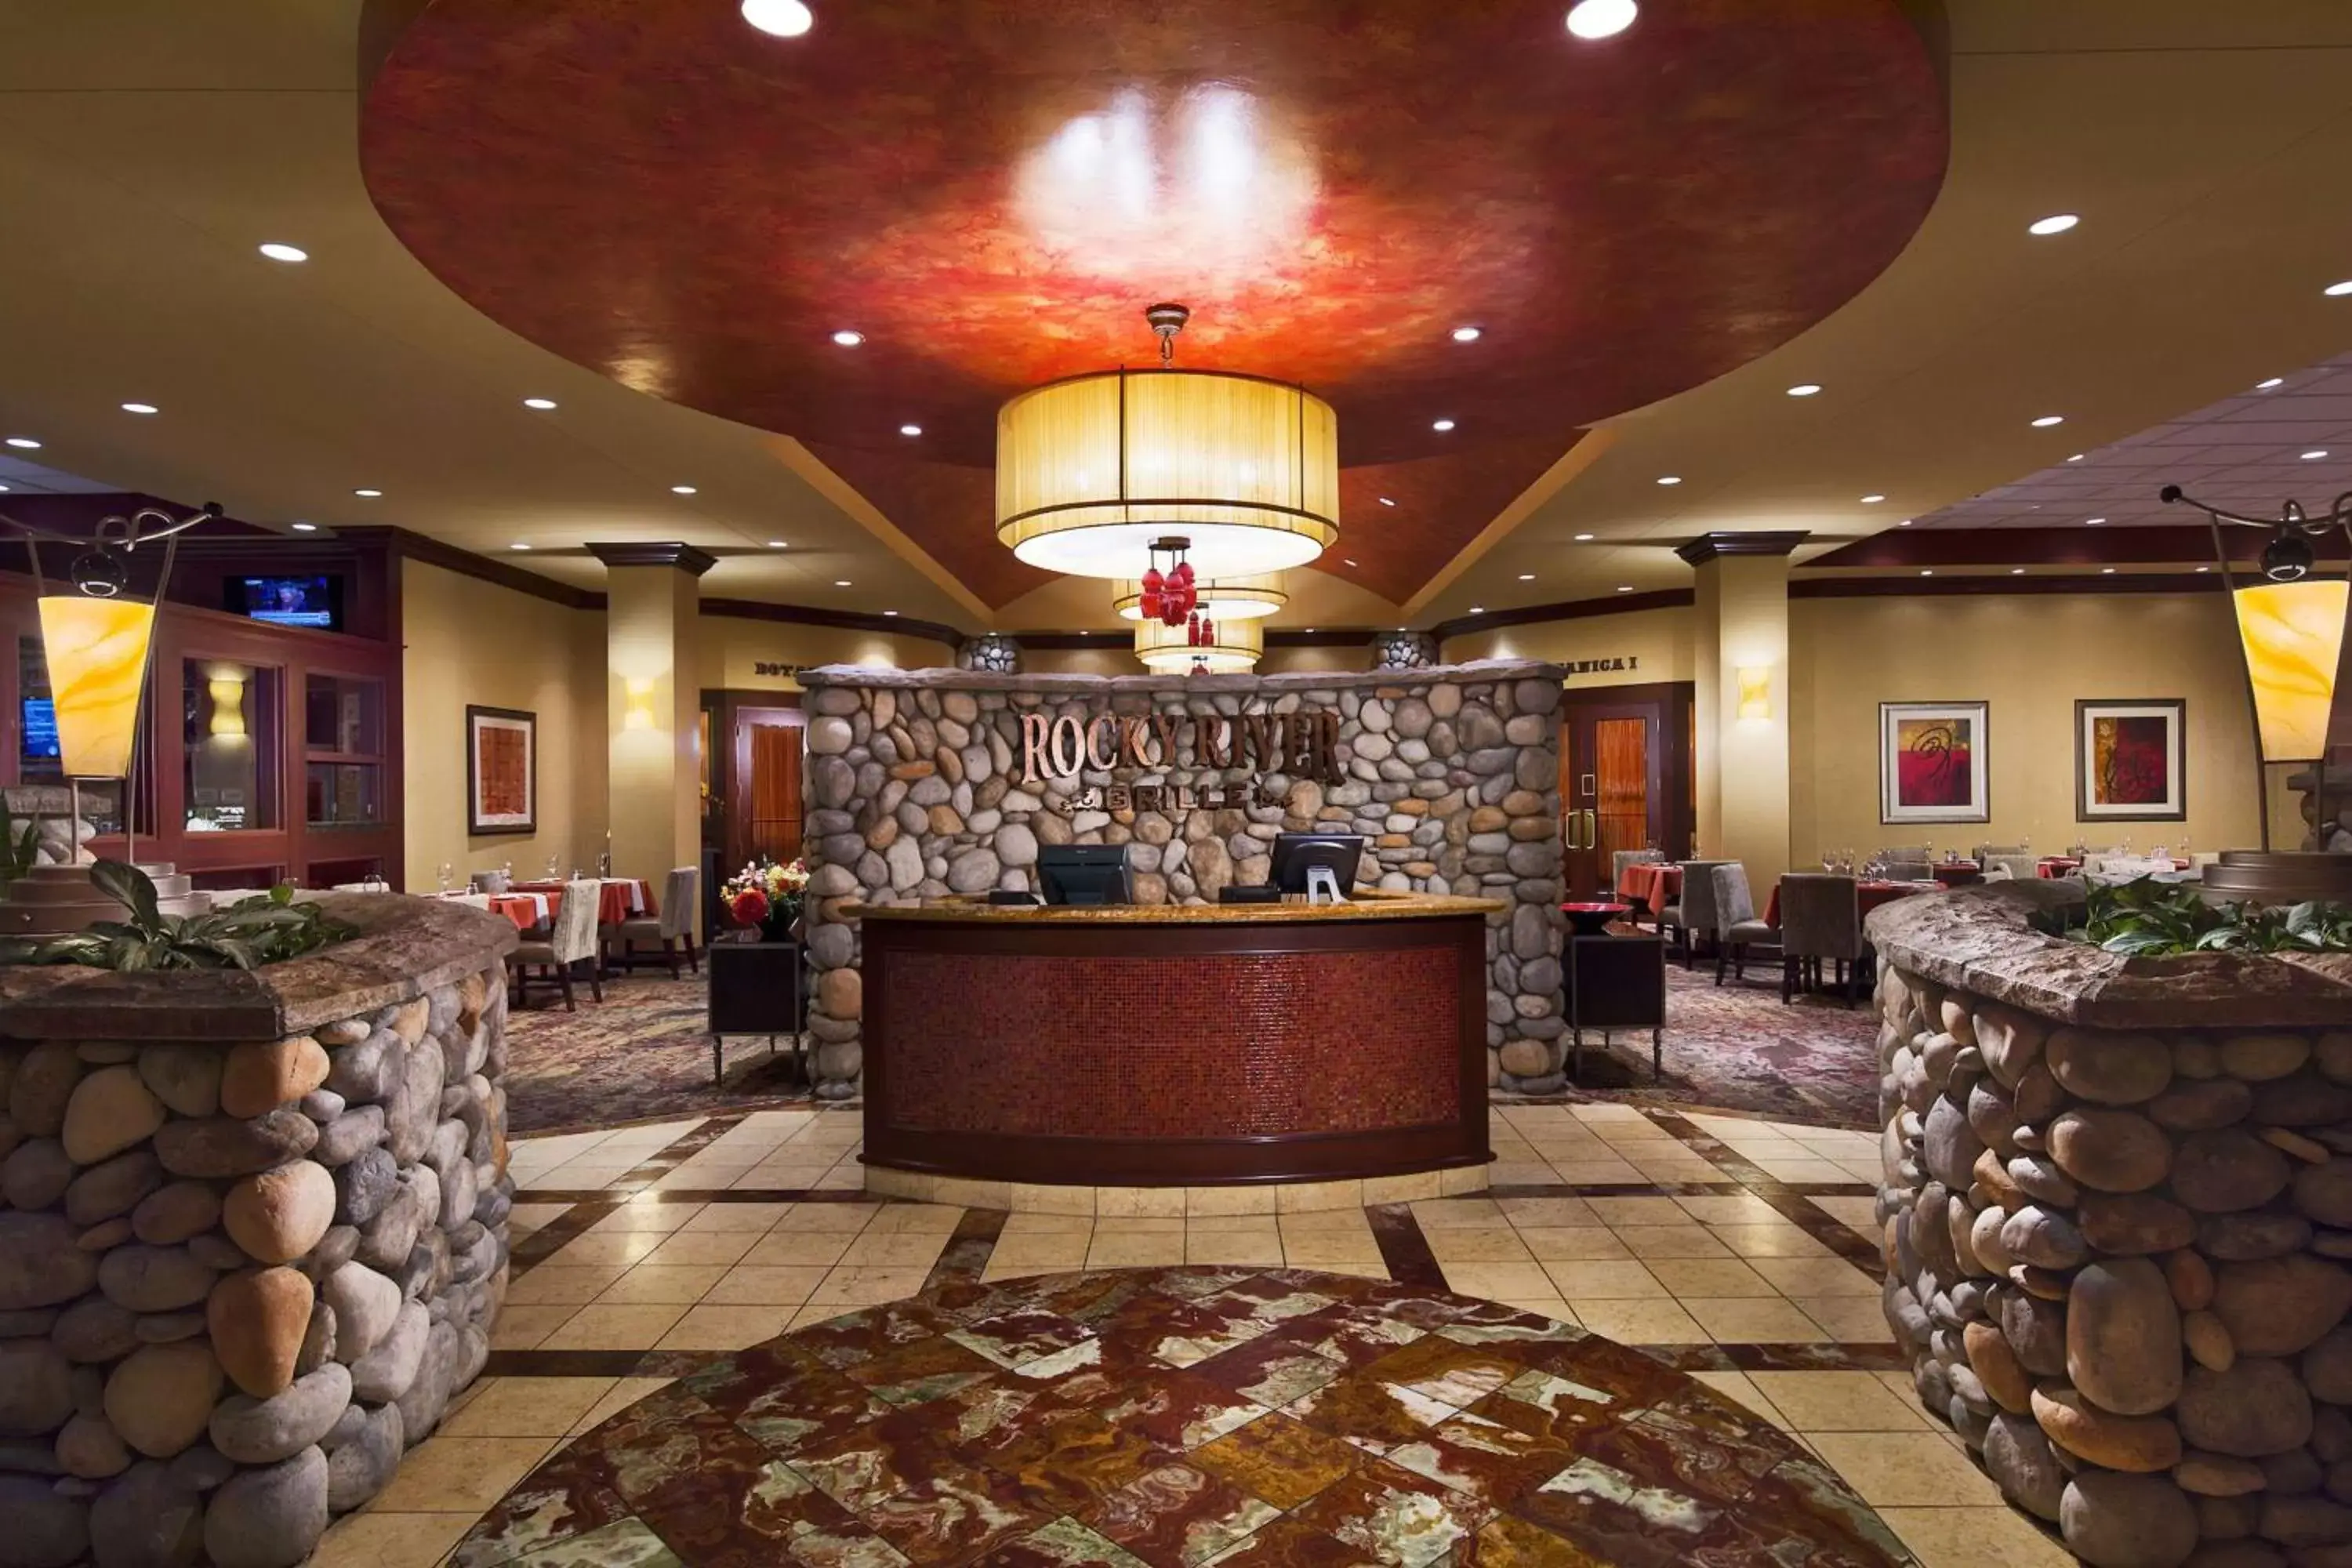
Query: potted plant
pixel 766 897
pixel 756 986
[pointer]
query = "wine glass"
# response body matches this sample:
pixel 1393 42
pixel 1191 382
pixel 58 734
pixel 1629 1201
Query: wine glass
pixel 444 874
pixel 554 864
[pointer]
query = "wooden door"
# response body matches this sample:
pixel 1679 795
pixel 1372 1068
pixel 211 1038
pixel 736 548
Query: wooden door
pixel 762 787
pixel 1623 769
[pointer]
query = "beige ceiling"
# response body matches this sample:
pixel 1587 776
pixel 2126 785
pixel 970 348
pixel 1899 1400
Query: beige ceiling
pixel 148 146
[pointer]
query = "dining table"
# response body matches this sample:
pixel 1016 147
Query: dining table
pixel 1651 885
pixel 1868 895
pixel 2068 865
pixel 617 898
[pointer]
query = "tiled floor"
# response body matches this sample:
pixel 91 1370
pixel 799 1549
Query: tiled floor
pixel 1739 1251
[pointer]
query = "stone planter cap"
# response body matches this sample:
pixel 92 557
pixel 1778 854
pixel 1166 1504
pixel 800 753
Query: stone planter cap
pixel 407 946
pixel 1980 938
pixel 1488 669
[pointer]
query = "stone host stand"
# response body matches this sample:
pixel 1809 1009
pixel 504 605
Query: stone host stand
pixel 2116 1197
pixel 254 1237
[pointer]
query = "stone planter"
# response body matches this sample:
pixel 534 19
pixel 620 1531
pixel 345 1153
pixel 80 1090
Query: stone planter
pixel 254 1237
pixel 2117 1192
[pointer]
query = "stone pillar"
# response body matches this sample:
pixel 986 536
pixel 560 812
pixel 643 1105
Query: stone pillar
pixel 653 707
pixel 1742 659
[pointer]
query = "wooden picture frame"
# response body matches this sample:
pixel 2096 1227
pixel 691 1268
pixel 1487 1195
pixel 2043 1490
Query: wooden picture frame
pixel 1934 761
pixel 2131 759
pixel 501 771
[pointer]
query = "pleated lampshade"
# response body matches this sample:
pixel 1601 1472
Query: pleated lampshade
pixel 1238 646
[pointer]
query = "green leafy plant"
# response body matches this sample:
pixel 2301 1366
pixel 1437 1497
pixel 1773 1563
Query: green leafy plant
pixel 269 928
pixel 2148 919
pixel 20 850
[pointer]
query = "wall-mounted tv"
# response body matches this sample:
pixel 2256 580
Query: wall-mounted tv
pixel 310 601
pixel 40 737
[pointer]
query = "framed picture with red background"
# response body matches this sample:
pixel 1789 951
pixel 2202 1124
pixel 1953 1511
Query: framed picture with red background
pixel 1932 762
pixel 2131 759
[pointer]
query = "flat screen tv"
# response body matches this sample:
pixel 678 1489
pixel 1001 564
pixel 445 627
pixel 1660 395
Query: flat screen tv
pixel 40 719
pixel 316 602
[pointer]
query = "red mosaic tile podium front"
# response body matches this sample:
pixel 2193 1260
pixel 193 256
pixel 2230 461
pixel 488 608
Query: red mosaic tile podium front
pixel 1176 1047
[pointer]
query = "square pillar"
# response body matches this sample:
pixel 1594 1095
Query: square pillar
pixel 653 706
pixel 1741 705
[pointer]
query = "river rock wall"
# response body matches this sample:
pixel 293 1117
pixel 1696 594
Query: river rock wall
pixel 914 789
pixel 239 1278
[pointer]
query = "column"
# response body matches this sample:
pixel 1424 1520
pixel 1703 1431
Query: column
pixel 1741 707
pixel 653 706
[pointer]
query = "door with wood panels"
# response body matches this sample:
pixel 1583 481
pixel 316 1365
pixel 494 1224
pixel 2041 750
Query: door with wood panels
pixel 1623 754
pixel 764 809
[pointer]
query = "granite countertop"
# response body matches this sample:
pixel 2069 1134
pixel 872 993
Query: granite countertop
pixel 1363 907
pixel 1981 939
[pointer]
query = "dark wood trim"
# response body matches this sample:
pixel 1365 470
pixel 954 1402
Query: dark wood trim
pixel 716 699
pixel 1566 610
pixel 1064 642
pixel 847 620
pixel 1916 586
pixel 2149 545
pixel 1709 547
pixel 1322 637
pixel 663 552
pixel 1307 1154
pixel 404 544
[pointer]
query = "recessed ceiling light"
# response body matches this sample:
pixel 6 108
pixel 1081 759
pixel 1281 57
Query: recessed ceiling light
pixel 1478 609
pixel 1904 523
pixel 140 408
pixel 1584 539
pixel 2047 420
pixel 2266 385
pixel 1670 479
pixel 841 581
pixel 1346 563
pixel 367 495
pixel 2204 568
pixel 777 544
pixel 2057 223
pixel 890 612
pixel 1441 426
pixel 25 442
pixel 1467 334
pixel 277 252
pixel 1804 389
pixel 3 490
pixel 780 18
pixel 303 527
pixel 848 339
pixel 2313 455
pixel 1872 500
pixel 1625 588
pixel 1527 577
pixel 681 489
pixel 518 544
pixel 542 404
pixel 2107 571
pixel 2337 291
pixel 1388 500
pixel 1600 18
pixel 910 429
pixel 1927 572
pixel 2092 521
pixel 2077 458
pixel 2017 570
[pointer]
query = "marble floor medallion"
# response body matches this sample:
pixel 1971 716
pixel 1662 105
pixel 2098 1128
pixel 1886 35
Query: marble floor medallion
pixel 1172 1417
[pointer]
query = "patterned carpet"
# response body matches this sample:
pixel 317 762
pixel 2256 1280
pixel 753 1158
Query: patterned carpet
pixel 642 1054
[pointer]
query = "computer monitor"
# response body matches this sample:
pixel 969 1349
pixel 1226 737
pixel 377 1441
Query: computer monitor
pixel 1294 853
pixel 1082 873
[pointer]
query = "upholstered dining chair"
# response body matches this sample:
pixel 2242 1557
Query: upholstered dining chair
pixel 1736 925
pixel 1919 870
pixel 571 940
pixel 1819 918
pixel 489 881
pixel 1904 852
pixel 1696 913
pixel 2020 867
pixel 673 928
pixel 1983 853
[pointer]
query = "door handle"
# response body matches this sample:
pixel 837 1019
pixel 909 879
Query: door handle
pixel 1569 825
pixel 1591 829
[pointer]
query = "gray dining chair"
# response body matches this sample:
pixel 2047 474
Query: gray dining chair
pixel 1906 852
pixel 1737 929
pixel 2023 867
pixel 1919 870
pixel 1820 919
pixel 1983 853
pixel 571 940
pixel 489 881
pixel 1695 914
pixel 673 929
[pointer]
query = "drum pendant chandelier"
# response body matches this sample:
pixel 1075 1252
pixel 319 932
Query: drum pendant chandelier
pixel 1235 648
pixel 1091 470
pixel 1229 599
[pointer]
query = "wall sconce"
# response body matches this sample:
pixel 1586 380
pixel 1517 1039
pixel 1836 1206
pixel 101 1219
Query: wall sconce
pixel 227 689
pixel 637 712
pixel 1755 691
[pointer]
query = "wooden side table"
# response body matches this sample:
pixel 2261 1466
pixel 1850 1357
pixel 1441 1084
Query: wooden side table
pixel 756 988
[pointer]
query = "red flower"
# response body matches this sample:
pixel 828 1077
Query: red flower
pixel 749 907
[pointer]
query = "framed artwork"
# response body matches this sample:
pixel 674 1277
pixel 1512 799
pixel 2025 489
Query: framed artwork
pixel 501 771
pixel 2131 759
pixel 1931 763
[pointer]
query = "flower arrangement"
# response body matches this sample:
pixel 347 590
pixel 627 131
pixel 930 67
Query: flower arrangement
pixel 765 895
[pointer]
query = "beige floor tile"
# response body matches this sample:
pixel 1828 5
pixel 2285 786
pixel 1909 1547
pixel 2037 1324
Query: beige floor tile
pixel 867 1287
pixel 623 1247
pixel 1064 1249
pixel 1767 1321
pixel 1229 1200
pixel 634 1328
pixel 901 1250
pixel 1020 1224
pixel 1579 1244
pixel 1528 1172
pixel 1355 1270
pixel 916 1219
pixel 1147 1249
pixel 1594 1172
pixel 1858 1214
pixel 1454 1214
pixel 1843 1402
pixel 1547 1214
pixel 1975 1538
pixel 1637 1323
pixel 1665 1170
pixel 1809 1169
pixel 619 1397
pixel 1315 1249
pixel 1905 1469
pixel 1579 1283
pixel 702 1246
pixel 522 1328
pixel 1736 1387
pixel 757 1218
pixel 1499 1281
pixel 1816 1276
pixel 779 1177
pixel 726 1328
pixel 641 1216
pixel 459 1475
pixel 988 1275
pixel 662 1284
pixel 1848 1319
pixel 1769 1241
pixel 1551 1306
pixel 759 1285
pixel 1123 1203
pixel 1502 1246
pixel 1737 1208
pixel 1638 1211
pixel 550 1285
pixel 526 1407
pixel 380 1539
pixel 1671 1241
pixel 1689 1277
pixel 1259 1225
pixel 1236 1250
pixel 850 1217
pixel 1325 1222
pixel 798 1248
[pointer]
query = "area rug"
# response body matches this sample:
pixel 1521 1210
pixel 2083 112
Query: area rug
pixel 1738 1048
pixel 640 1055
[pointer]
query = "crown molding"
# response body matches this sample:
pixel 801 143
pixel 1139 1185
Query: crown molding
pixel 668 552
pixel 1709 547
pixel 1566 610
pixel 845 620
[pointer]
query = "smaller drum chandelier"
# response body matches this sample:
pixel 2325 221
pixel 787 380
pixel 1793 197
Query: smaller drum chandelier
pixel 1223 648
